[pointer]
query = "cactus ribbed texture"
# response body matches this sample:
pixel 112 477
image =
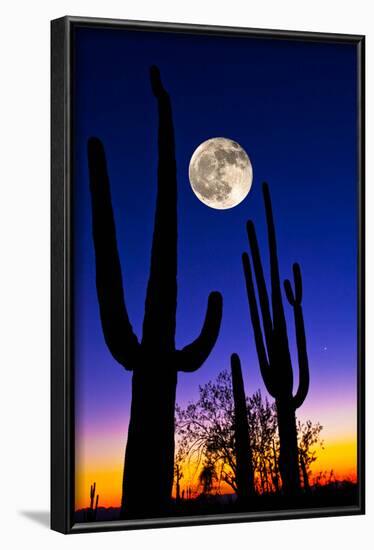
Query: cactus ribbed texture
pixel 243 451
pixel 154 361
pixel 273 347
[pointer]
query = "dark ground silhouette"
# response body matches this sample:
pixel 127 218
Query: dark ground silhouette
pixel 154 361
pixel 337 494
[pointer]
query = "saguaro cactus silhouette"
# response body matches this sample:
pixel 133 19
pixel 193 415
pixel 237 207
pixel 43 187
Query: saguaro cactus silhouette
pixel 243 451
pixel 154 361
pixel 273 347
pixel 91 512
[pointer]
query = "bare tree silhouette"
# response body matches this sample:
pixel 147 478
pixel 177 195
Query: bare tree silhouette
pixel 178 474
pixel 308 438
pixel 263 428
pixel 206 432
pixel 273 347
pixel 154 361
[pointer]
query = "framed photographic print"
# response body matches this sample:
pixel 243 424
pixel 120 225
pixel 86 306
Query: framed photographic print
pixel 207 274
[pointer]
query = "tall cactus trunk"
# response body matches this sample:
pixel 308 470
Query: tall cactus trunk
pixel 154 361
pixel 271 339
pixel 151 428
pixel 150 445
pixel 243 450
pixel 288 450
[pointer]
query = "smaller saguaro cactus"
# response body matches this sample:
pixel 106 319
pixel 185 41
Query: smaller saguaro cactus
pixel 243 451
pixel 91 512
pixel 271 339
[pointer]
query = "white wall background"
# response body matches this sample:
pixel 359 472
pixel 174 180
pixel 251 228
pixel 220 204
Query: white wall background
pixel 24 270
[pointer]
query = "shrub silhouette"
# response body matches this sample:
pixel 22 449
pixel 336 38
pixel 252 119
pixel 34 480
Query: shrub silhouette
pixel 154 360
pixel 273 347
pixel 207 477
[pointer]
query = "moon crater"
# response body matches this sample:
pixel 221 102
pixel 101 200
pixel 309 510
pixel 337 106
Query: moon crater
pixel 220 173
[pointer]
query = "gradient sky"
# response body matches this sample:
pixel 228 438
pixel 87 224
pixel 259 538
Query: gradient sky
pixel 292 107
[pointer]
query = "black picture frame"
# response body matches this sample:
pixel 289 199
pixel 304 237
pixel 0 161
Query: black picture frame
pixel 62 230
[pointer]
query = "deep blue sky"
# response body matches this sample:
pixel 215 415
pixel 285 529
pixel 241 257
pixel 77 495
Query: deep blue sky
pixel 292 107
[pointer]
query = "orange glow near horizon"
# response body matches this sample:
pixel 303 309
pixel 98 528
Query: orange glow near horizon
pixel 339 455
pixel 100 454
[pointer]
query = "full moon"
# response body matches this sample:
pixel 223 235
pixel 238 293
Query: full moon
pixel 220 173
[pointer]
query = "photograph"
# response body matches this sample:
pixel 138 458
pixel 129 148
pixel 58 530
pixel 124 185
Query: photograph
pixel 215 214
pixel 186 263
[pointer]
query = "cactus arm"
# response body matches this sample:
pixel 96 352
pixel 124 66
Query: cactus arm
pixel 261 285
pixel 117 329
pixel 303 388
pixel 279 320
pixel 259 341
pixel 297 297
pixel 295 301
pixel 161 298
pixel 191 357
